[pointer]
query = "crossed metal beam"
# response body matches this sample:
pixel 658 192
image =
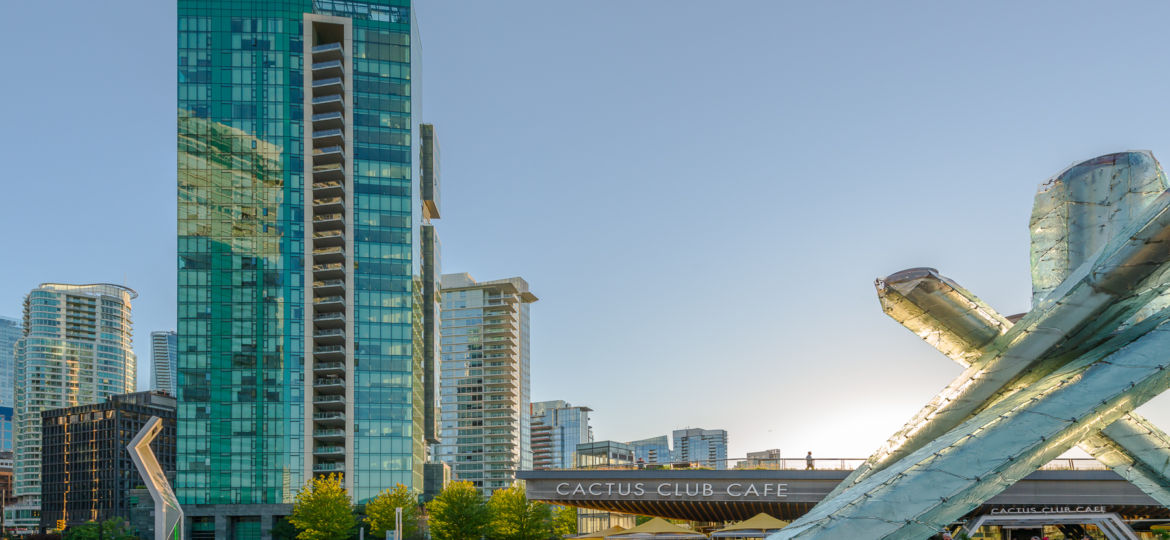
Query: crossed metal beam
pixel 1095 345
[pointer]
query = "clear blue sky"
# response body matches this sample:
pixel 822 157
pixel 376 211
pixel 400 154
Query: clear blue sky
pixel 700 193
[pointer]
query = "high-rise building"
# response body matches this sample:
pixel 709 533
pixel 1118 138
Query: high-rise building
pixel 484 382
pixel 164 347
pixel 652 451
pixel 765 459
pixel 705 446
pixel 557 429
pixel 299 280
pixel 75 349
pixel 10 331
pixel 87 470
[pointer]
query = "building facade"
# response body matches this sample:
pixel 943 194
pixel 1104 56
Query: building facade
pixel 764 459
pixel 299 288
pixel 603 455
pixel 707 447
pixel 164 347
pixel 75 349
pixel 86 469
pixel 10 331
pixel 652 451
pixel 557 428
pixel 484 382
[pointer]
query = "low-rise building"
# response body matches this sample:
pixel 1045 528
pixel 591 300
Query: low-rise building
pixel 86 469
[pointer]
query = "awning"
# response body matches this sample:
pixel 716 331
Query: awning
pixel 757 526
pixel 658 529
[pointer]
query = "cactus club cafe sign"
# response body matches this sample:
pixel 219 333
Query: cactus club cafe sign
pixel 669 490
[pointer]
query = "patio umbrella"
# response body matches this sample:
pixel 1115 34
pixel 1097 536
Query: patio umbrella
pixel 658 529
pixel 599 535
pixel 757 526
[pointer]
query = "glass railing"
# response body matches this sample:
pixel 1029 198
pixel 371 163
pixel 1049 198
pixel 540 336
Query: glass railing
pixel 335 250
pixel 326 133
pixel 330 317
pixel 327 150
pixel 326 99
pixel 329 381
pixel 329 450
pixel 329 200
pixel 329 282
pixel 327 47
pixel 327 82
pixel 328 432
pixel 328 399
pixel 320 117
pixel 328 64
pixel 329 416
pixel 326 467
pixel 323 366
pixel 327 217
pixel 328 299
pixel 329 333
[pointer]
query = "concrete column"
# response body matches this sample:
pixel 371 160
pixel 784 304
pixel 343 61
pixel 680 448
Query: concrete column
pixel 266 526
pixel 223 527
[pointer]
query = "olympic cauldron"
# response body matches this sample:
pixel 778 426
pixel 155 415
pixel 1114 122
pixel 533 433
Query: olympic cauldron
pixel 1070 372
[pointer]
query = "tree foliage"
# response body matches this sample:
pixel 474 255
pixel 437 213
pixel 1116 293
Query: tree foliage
pixel 564 521
pixel 111 529
pixel 458 513
pixel 323 511
pixel 380 513
pixel 514 517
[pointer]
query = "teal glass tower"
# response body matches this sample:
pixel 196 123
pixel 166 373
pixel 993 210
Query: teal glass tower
pixel 299 284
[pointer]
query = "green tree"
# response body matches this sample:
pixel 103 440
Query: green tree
pixel 283 530
pixel 323 511
pixel 514 517
pixel 564 521
pixel 380 512
pixel 458 513
pixel 110 529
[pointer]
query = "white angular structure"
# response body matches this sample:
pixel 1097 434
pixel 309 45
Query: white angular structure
pixel 168 516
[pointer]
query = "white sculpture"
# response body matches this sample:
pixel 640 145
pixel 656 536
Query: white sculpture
pixel 168 517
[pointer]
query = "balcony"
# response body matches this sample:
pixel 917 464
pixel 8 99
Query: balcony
pixel 330 270
pixel 329 287
pixel 329 303
pixel 335 220
pixel 328 205
pixel 328 154
pixel 328 171
pixel 329 418
pixel 332 85
pixel 332 102
pixel 329 451
pixel 328 254
pixel 329 68
pixel 328 137
pixel 329 368
pixel 331 188
pixel 333 237
pixel 329 352
pixel 329 402
pixel 329 320
pixel 329 435
pixel 329 385
pixel 333 466
pixel 329 336
pixel 329 120
pixel 326 51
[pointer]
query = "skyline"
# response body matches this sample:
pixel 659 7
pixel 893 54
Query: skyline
pixel 614 246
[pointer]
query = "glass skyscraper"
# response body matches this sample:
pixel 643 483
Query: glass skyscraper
pixel 557 429
pixel 9 332
pixel 484 423
pixel 705 446
pixel 164 347
pixel 75 349
pixel 299 284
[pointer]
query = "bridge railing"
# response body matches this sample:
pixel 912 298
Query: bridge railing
pixel 816 463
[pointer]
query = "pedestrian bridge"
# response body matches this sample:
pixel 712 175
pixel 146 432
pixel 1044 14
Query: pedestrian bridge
pixel 731 495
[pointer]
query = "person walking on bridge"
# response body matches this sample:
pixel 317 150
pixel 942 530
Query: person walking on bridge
pixel 808 462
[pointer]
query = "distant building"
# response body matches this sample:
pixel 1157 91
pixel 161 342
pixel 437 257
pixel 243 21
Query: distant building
pixel 164 352
pixel 10 331
pixel 652 451
pixel 436 477
pixel 484 381
pixel 600 455
pixel 75 349
pixel 557 429
pixel 704 446
pixel 86 470
pixel 767 459
pixel 6 478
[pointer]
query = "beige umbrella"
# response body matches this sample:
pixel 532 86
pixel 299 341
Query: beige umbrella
pixel 599 535
pixel 658 529
pixel 757 526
